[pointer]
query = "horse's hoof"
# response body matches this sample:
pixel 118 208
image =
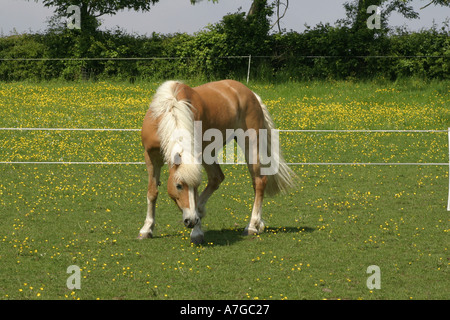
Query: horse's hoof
pixel 254 230
pixel 146 235
pixel 250 232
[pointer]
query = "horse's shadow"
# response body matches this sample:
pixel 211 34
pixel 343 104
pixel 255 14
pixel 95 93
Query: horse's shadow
pixel 227 237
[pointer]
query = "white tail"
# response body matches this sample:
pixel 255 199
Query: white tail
pixel 285 178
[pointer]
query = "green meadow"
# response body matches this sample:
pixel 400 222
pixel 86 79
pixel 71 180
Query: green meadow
pixel 319 240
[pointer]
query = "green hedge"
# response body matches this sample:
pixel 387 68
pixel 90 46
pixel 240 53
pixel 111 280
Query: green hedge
pixel 339 53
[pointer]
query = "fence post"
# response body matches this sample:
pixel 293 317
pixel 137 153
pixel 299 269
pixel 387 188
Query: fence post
pixel 448 202
pixel 249 65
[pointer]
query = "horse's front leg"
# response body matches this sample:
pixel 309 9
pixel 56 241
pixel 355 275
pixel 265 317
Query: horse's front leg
pixel 215 178
pixel 154 163
pixel 197 235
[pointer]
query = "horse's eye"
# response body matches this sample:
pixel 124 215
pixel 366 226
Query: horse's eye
pixel 179 186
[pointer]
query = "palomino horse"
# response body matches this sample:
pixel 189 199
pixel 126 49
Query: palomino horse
pixel 167 134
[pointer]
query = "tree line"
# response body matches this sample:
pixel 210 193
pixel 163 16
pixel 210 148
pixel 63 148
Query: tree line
pixel 355 47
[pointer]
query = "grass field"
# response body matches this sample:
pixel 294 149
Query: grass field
pixel 319 239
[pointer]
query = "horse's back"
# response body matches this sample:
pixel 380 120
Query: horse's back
pixel 230 90
pixel 227 103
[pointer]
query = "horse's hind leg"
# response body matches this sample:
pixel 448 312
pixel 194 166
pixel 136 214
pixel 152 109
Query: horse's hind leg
pixel 256 225
pixel 154 162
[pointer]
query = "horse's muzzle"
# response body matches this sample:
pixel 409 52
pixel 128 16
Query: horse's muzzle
pixel 190 223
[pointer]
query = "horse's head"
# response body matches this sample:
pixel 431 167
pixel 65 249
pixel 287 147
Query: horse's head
pixel 182 186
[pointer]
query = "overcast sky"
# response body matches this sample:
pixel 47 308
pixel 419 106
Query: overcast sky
pixel 170 16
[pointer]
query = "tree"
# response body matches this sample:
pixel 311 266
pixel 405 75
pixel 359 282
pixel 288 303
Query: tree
pixel 249 33
pixel 85 38
pixel 438 2
pixel 92 9
pixel 366 38
pixel 357 11
pixel 255 8
pixel 280 12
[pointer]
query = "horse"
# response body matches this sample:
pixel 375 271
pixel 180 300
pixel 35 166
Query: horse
pixel 167 137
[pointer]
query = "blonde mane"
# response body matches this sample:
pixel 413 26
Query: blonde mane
pixel 175 116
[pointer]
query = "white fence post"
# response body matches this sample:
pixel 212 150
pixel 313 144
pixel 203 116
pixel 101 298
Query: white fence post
pixel 249 66
pixel 448 202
